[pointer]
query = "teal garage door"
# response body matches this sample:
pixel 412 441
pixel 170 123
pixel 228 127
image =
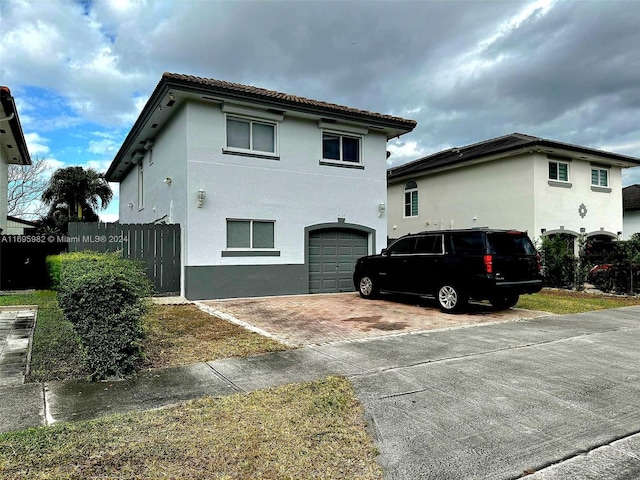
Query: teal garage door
pixel 332 256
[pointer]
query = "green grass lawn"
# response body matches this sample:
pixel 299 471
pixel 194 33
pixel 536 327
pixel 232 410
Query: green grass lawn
pixel 309 430
pixel 564 301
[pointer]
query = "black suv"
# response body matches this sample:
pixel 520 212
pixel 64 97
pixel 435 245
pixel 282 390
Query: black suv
pixel 454 266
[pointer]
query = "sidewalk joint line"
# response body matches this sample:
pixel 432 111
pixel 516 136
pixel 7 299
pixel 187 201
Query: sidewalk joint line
pixel 226 379
pixel 586 451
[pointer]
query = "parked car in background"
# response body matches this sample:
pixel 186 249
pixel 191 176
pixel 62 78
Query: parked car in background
pixel 454 266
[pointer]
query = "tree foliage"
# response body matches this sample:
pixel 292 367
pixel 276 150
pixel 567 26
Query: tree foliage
pixel 74 194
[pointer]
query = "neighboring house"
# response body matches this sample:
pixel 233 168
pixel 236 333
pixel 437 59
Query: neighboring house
pixel 631 210
pixel 13 148
pixel 516 181
pixel 19 226
pixel 276 194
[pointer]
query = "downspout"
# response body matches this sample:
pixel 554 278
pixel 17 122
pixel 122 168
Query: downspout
pixel 9 118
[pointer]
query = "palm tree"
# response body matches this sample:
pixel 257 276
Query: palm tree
pixel 75 194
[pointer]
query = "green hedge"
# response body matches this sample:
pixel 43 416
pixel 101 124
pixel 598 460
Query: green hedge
pixel 102 295
pixel 54 265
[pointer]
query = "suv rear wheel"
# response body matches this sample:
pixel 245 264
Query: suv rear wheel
pixel 368 287
pixel 504 302
pixel 450 298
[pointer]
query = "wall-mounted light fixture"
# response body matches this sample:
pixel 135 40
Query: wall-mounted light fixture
pixel 130 205
pixel 200 198
pixel 168 180
pixel 381 209
pixel 543 231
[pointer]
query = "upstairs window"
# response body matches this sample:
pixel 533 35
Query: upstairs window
pixel 341 148
pixel 411 199
pixel 251 135
pixel 559 171
pixel 599 177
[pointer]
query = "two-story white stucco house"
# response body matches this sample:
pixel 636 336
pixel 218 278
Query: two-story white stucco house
pixel 516 181
pixel 13 148
pixel 276 194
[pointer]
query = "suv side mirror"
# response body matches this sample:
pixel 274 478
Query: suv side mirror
pixel 384 252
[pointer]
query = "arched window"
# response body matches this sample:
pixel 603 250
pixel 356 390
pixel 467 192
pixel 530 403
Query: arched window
pixel 411 199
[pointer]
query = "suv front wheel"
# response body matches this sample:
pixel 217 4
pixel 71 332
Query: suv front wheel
pixel 368 287
pixel 450 298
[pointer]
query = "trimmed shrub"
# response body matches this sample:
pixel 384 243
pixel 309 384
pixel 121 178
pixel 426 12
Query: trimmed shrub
pixel 102 295
pixel 54 265
pixel 561 268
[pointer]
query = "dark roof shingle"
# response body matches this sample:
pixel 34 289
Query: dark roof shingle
pixel 631 197
pixel 495 146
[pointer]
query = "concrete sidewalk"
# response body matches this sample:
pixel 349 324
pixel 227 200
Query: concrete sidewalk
pixel 16 332
pixel 557 395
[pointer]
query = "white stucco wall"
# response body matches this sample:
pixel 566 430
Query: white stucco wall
pixel 294 191
pixel 509 193
pixel 160 198
pixel 631 223
pixel 559 207
pixel 495 194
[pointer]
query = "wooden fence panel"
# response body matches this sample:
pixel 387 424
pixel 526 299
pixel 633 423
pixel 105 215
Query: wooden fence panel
pixel 157 246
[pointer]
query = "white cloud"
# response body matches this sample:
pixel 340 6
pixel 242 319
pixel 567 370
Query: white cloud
pixel 36 144
pixel 100 166
pixel 403 152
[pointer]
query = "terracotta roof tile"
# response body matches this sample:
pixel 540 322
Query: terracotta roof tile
pixel 257 92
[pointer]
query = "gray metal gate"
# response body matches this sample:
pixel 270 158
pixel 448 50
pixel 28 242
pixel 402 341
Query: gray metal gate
pixel 332 256
pixel 158 246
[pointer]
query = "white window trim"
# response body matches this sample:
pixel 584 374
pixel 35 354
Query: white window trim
pixel 404 201
pixel 342 163
pixel 600 170
pixel 250 151
pixel 559 162
pixel 251 248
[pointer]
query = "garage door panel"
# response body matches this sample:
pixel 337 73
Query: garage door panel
pixel 332 257
pixel 329 250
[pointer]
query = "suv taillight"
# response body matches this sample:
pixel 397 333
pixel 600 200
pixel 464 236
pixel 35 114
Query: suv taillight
pixel 488 263
pixel 538 263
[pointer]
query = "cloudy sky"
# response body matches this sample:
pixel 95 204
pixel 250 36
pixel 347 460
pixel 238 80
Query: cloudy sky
pixel 467 71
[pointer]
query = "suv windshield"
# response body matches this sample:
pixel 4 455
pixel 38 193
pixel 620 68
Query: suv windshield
pixel 507 243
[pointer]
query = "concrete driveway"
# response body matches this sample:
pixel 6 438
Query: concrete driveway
pixel 300 320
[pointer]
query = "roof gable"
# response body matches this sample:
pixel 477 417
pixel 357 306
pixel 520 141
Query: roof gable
pixel 501 147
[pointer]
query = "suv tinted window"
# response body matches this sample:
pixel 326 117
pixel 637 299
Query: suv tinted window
pixel 404 245
pixel 505 243
pixel 429 244
pixel 468 243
